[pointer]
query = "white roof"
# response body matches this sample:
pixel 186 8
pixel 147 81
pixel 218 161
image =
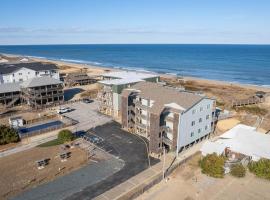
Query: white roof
pixel 212 147
pixel 40 81
pixel 125 77
pixel 245 140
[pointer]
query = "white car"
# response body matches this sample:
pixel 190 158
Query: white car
pixel 63 110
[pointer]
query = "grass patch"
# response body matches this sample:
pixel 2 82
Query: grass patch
pixel 51 143
pixel 256 110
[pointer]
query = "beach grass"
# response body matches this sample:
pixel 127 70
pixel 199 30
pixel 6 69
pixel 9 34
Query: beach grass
pixel 256 110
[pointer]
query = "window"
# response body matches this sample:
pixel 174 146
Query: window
pixel 201 109
pixel 206 127
pixel 193 111
pixel 207 116
pixel 208 106
pixel 20 73
pixel 192 123
pixel 200 120
pixel 20 79
pixel 13 75
pixel 159 135
pixel 199 130
pixel 28 72
pixel 191 134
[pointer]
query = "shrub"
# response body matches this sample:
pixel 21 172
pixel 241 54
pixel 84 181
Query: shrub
pixel 260 168
pixel 65 136
pixel 8 135
pixel 212 165
pixel 238 170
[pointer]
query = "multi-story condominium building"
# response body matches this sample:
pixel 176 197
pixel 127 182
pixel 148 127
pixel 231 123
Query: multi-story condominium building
pixel 167 117
pixel 36 92
pixel 19 72
pixel 113 83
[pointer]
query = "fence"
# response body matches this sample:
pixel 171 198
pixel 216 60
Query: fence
pixel 70 122
pixel 10 114
pixel 43 118
pixel 250 101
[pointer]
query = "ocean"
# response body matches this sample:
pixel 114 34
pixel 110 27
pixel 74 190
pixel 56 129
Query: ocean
pixel 246 64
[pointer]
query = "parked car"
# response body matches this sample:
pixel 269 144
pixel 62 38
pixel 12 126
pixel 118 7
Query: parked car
pixel 87 100
pixel 63 110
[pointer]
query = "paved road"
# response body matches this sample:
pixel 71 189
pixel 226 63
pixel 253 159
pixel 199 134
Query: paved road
pixel 73 182
pixel 127 147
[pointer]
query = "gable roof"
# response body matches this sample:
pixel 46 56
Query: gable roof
pixel 164 96
pixel 8 68
pixel 40 81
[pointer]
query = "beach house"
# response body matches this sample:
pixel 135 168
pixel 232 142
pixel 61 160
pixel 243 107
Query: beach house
pixel 168 117
pixel 19 72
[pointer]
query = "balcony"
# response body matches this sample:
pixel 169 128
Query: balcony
pixel 166 140
pixel 140 125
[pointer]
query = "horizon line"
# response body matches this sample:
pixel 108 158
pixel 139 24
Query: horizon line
pixel 257 44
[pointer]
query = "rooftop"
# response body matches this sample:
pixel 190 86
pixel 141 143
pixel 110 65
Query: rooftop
pixel 164 96
pixel 9 87
pixel 7 68
pixel 40 81
pixel 126 77
pixel 242 139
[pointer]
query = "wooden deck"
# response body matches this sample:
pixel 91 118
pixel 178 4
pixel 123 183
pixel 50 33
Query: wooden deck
pixel 245 102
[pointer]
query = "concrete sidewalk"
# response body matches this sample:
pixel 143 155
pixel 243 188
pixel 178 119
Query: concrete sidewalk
pixel 133 186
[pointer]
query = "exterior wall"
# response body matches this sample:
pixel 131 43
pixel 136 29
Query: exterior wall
pixel 155 145
pixel 185 123
pixel 124 113
pixel 116 103
pixel 24 74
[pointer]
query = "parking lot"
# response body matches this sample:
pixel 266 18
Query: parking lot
pixel 128 158
pixel 126 146
pixel 87 115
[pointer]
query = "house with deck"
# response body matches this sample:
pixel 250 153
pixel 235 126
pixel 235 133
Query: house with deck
pixel 19 72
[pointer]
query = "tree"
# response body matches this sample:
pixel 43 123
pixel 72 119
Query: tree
pixel 8 135
pixel 238 170
pixel 213 165
pixel 260 168
pixel 65 136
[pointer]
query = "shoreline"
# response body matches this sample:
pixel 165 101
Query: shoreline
pixel 97 70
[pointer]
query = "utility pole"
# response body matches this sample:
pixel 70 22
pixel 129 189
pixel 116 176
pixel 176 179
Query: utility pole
pixel 163 162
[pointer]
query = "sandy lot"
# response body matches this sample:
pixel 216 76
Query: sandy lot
pixel 188 183
pixel 19 171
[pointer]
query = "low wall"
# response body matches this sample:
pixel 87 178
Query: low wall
pixel 141 188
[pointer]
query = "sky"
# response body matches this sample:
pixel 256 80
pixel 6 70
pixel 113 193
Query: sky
pixel 134 21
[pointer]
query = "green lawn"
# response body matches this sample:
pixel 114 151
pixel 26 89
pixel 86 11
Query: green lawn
pixel 51 143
